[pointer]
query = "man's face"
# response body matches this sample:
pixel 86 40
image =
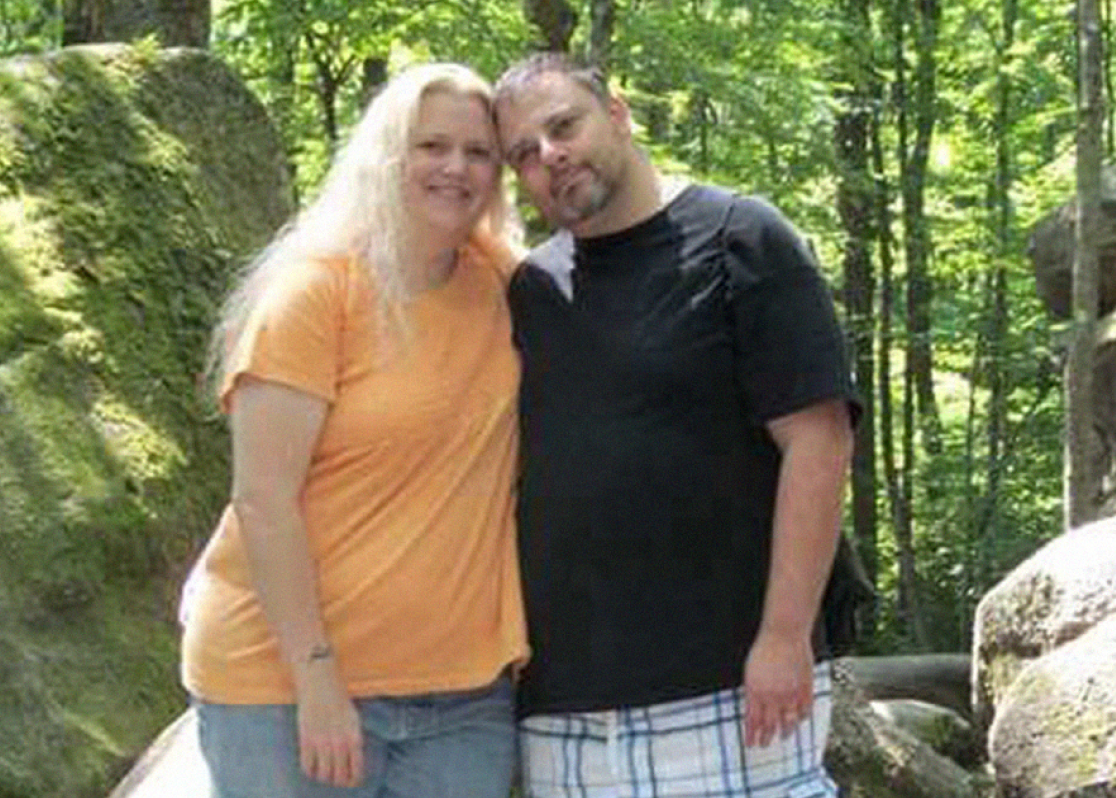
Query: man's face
pixel 567 147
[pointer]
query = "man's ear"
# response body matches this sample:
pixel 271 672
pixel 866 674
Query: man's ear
pixel 620 113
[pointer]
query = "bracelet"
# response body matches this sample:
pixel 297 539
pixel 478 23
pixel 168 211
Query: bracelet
pixel 320 651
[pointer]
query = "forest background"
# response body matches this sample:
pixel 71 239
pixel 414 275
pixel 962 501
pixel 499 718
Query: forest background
pixel 915 143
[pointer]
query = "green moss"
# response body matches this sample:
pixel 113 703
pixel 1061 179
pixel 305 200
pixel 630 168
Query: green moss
pixel 131 182
pixel 1081 728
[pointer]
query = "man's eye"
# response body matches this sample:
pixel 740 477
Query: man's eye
pixel 562 126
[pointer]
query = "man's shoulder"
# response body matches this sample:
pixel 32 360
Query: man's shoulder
pixel 730 212
pixel 557 252
pixel 553 259
pixel 739 205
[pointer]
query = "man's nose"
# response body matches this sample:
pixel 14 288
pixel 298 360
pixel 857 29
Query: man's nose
pixel 550 152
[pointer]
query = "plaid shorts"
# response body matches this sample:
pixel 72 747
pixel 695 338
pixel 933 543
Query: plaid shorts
pixel 690 748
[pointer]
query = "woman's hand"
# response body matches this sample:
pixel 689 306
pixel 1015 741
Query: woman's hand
pixel 330 742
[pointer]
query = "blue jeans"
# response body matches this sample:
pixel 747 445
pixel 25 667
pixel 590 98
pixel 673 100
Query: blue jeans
pixel 440 745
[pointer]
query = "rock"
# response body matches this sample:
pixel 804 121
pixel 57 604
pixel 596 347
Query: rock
pixel 942 729
pixel 1051 249
pixel 1053 597
pixel 942 679
pixel 172 766
pixel 872 758
pixel 132 182
pixel 1055 728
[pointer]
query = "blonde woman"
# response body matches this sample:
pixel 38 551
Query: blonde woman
pixel 350 627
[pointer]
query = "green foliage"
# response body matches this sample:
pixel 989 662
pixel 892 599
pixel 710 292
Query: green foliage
pixel 285 50
pixel 29 26
pixel 743 93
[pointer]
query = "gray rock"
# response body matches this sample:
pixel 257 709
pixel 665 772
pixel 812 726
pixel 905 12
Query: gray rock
pixel 172 766
pixel 1053 597
pixel 870 757
pixel 1055 727
pixel 941 728
pixel 1051 249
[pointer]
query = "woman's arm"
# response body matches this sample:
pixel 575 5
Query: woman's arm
pixel 274 431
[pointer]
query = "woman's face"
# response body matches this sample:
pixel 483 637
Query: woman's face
pixel 451 167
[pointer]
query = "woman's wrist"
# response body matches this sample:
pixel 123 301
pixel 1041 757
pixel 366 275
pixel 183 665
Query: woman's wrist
pixel 317 653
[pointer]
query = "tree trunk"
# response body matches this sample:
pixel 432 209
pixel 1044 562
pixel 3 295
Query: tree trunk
pixel 83 21
pixel 281 76
pixel 702 114
pixel 985 523
pixel 331 72
pixel 942 679
pixel 899 510
pixel 327 86
pixel 373 75
pixel 1082 482
pixel 855 207
pixel 176 23
pixel 912 167
pixel 1110 102
pixel 602 19
pixel 908 601
pixel 555 19
pixel 916 232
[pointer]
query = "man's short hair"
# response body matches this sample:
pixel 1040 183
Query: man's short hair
pixel 519 75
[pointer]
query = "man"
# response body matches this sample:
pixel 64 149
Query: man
pixel 686 435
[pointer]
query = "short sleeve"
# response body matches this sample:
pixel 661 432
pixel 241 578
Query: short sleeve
pixel 294 335
pixel 790 348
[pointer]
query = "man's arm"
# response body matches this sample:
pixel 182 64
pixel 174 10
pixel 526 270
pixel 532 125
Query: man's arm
pixel 816 445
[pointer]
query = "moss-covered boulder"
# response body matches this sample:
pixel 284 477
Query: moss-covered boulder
pixel 1055 596
pixel 132 181
pixel 1055 727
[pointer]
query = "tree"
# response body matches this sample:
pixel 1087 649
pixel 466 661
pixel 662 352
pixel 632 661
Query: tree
pixel 995 334
pixel 920 103
pixel 917 372
pixel 602 18
pixel 555 19
pixel 855 190
pixel 1082 482
pixel 176 23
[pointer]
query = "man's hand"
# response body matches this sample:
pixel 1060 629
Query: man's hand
pixel 330 743
pixel 778 686
pixel 816 447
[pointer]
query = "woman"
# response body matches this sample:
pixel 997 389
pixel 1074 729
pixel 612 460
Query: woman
pixel 351 624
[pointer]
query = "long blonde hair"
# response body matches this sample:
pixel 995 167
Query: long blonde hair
pixel 359 211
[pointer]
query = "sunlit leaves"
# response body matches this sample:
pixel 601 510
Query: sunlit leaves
pixel 29 26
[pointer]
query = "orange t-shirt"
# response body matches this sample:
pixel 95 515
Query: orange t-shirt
pixel 408 499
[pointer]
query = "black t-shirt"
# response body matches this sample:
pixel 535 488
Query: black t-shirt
pixel 651 360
